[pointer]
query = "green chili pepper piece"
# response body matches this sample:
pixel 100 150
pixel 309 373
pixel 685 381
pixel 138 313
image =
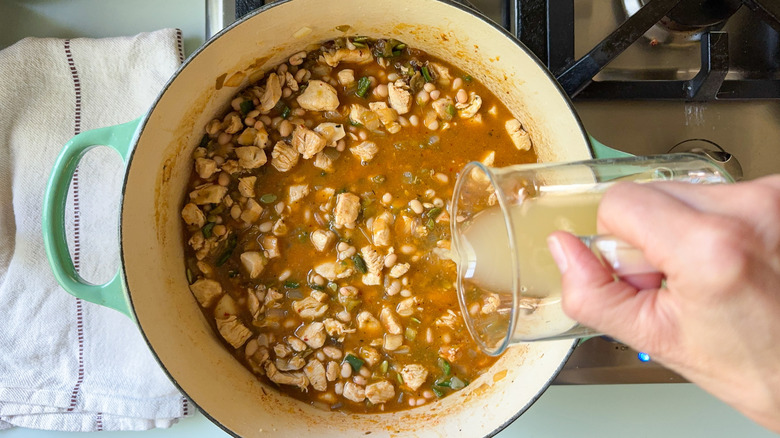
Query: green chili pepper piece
pixel 445 366
pixel 360 264
pixel 317 287
pixel 268 198
pixel 362 86
pixel 246 106
pixel 384 366
pixel 204 141
pixel 451 110
pixel 468 78
pixel 206 230
pixel 426 74
pixel 434 212
pixel 286 112
pixel 430 224
pixel 232 241
pixel 292 284
pixel 355 362
pixel 439 393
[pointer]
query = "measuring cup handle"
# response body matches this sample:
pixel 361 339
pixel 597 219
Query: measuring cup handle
pixel 111 294
pixel 622 257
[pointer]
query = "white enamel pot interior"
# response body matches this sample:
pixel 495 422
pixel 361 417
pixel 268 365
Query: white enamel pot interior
pixel 151 232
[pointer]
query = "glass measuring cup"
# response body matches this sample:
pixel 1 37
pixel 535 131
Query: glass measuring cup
pixel 508 283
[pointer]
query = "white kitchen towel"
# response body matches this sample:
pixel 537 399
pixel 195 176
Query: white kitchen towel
pixel 67 364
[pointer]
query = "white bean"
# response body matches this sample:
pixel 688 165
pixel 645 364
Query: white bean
pixel 359 380
pixel 285 275
pixel 387 198
pixel 414 120
pixel 462 96
pixel 416 206
pixel 434 125
pixel 406 293
pixel 430 86
pixel 438 202
pixel 435 94
pixel 320 356
pixel 365 372
pixel 346 370
pixel 390 260
pixel 457 83
pixel 264 227
pixel 408 249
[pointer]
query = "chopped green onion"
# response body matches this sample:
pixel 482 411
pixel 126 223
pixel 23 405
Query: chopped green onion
pixel 204 141
pixel 426 74
pixel 359 44
pixel 360 39
pixel 286 112
pixel 360 264
pixel 246 106
pixel 430 224
pixel 206 230
pixel 190 277
pixel 451 110
pixel 232 241
pixel 445 366
pixel 415 320
pixel 456 383
pixel 268 198
pixel 355 362
pixel 292 284
pixel 384 366
pixel 399 46
pixel 362 86
pixel 410 334
pixel 439 393
pixel 317 287
pixel 399 378
pixel 434 212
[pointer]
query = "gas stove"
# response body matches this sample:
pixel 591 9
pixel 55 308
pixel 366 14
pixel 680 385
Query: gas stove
pixel 647 77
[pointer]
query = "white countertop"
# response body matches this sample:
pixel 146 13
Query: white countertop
pixel 657 410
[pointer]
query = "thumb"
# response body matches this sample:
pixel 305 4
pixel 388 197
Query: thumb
pixel 590 293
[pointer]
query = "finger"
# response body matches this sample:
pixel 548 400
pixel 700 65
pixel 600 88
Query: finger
pixel 590 293
pixel 649 219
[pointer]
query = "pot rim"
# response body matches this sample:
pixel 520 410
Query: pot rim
pixel 145 118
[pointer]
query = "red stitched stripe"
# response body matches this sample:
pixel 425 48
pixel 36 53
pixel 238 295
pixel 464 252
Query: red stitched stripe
pixel 179 45
pixel 76 230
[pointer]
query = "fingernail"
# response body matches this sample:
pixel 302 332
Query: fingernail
pixel 557 253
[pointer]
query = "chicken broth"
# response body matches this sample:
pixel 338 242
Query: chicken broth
pixel 317 229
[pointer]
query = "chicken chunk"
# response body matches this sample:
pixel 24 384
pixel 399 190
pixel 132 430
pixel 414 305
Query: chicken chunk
pixel 318 96
pixel 309 308
pixel 282 350
pixel 368 322
pixel 360 55
pixel 272 297
pixel 253 262
pixel 280 227
pixel 519 136
pixel 205 167
pixel 491 303
pixel 292 363
pixel 307 142
pixel 284 157
pixel 251 212
pixel 380 392
pixel 294 379
pixel 192 215
pixel 346 210
pixel 390 321
pixel 406 307
pixel 414 375
pixel 322 239
pixel 399 269
pixel 232 123
pixel 251 157
pixel 313 334
pixel 323 161
pixel 470 108
pixel 346 77
pixel 335 328
pixel 370 355
pixel 354 392
pixel 374 262
pixel 296 344
pixel 333 270
pixel 271 246
pixel 208 194
pixel 365 151
pixel 206 291
pixel 233 330
pixel 331 132
pixel 246 186
pixel 315 372
pixel 262 140
pixel 388 116
pixel 392 342
pixel 380 229
pixel 444 108
pixel 297 192
pixel 358 114
pixel 272 93
pixel 290 81
pixel 332 372
pixel 399 97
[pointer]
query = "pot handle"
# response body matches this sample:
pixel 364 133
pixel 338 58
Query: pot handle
pixel 600 150
pixel 111 294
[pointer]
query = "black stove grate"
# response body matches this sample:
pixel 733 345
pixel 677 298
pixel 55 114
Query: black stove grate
pixel 547 28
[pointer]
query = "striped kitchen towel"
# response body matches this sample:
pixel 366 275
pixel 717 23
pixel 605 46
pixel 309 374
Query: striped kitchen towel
pixel 67 364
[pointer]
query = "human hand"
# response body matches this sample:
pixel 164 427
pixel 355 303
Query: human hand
pixel 717 319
